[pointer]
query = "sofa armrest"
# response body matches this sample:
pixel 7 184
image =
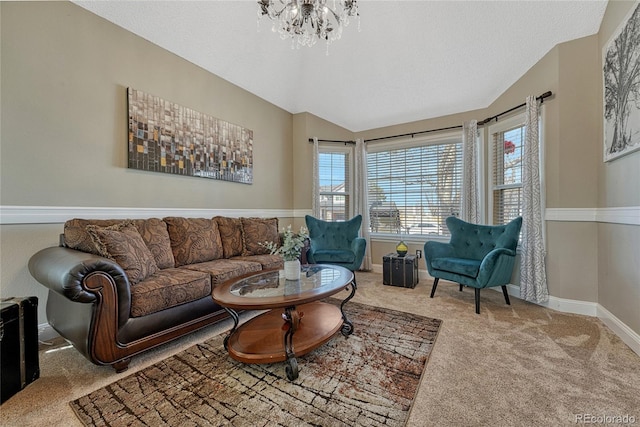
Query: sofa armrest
pixel 69 273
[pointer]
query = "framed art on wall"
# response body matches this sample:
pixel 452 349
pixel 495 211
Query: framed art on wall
pixel 621 92
pixel 167 137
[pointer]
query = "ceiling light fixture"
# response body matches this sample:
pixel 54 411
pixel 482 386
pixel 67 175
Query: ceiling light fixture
pixel 307 21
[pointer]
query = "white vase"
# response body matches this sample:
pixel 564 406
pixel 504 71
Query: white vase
pixel 292 270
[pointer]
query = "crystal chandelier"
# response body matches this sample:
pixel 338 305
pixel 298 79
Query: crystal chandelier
pixel 307 21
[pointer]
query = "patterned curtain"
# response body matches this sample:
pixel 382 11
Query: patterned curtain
pixel 361 199
pixel 470 189
pixel 533 277
pixel 315 190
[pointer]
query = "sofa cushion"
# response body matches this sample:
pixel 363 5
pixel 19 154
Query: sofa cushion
pixel 256 231
pixel 77 237
pixel 155 235
pixel 168 288
pixel 268 262
pixel 222 270
pixel 231 235
pixel 193 240
pixel 463 266
pixel 123 243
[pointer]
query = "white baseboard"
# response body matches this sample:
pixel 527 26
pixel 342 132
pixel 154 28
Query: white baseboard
pixel 46 332
pixel 624 332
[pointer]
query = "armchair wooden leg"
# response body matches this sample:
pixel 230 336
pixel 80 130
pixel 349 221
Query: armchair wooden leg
pixel 477 300
pixel 506 295
pixel 461 287
pixel 435 285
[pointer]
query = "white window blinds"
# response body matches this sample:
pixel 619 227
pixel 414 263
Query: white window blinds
pixel 413 189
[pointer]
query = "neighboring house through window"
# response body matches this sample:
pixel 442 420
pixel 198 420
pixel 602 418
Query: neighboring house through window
pixel 334 170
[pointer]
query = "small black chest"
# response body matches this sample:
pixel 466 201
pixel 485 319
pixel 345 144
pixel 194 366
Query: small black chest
pixel 400 270
pixel 18 344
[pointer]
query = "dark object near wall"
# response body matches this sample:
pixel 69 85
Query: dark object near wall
pixel 400 271
pixel 18 344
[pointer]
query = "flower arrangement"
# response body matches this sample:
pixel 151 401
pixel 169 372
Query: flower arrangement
pixel 292 244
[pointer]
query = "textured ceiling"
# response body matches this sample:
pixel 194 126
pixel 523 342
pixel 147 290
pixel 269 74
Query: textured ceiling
pixel 411 60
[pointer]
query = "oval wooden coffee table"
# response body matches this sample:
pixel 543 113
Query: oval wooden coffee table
pixel 296 321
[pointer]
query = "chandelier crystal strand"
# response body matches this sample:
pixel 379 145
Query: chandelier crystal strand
pixel 307 21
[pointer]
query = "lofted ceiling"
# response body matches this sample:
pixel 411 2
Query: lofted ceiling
pixel 410 60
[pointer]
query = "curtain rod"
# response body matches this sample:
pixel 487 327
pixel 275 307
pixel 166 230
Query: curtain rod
pixel 484 122
pixel 333 140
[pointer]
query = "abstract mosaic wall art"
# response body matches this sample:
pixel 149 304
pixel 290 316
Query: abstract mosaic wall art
pixel 169 138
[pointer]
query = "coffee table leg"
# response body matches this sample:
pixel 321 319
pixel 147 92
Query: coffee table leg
pixel 347 326
pixel 236 319
pixel 292 318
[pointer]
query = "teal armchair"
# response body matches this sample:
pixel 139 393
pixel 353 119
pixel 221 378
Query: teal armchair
pixel 336 242
pixel 478 256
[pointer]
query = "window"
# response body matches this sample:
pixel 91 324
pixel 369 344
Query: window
pixel 414 187
pixel 506 186
pixel 334 166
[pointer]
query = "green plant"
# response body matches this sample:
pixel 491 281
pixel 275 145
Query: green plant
pixel 292 244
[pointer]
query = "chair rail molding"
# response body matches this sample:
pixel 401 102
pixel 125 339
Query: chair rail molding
pixel 60 214
pixel 629 215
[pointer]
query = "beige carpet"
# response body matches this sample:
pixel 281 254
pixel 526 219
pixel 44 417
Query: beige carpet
pixel 368 379
pixel 518 365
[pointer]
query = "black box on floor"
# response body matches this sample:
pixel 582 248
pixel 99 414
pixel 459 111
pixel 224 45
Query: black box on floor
pixel 18 345
pixel 400 270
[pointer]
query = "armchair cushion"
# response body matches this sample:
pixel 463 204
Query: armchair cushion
pixel 465 267
pixel 334 255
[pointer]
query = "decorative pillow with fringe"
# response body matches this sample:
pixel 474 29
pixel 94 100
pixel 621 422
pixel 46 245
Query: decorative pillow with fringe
pixel 123 243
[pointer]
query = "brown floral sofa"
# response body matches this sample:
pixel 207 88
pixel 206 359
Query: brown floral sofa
pixel 120 287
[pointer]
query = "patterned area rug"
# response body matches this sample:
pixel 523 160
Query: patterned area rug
pixel 368 379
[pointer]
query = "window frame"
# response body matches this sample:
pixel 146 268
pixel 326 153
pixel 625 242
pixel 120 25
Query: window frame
pixel 504 125
pixel 349 178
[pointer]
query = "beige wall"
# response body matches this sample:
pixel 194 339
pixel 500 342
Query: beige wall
pixel 64 128
pixel 64 78
pixel 618 186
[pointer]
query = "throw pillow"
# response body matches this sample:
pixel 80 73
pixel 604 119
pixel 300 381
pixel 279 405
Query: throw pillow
pixel 256 231
pixel 123 244
pixel 77 237
pixel 231 235
pixel 194 240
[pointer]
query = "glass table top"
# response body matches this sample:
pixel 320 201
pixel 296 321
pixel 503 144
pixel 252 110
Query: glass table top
pixel 273 284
